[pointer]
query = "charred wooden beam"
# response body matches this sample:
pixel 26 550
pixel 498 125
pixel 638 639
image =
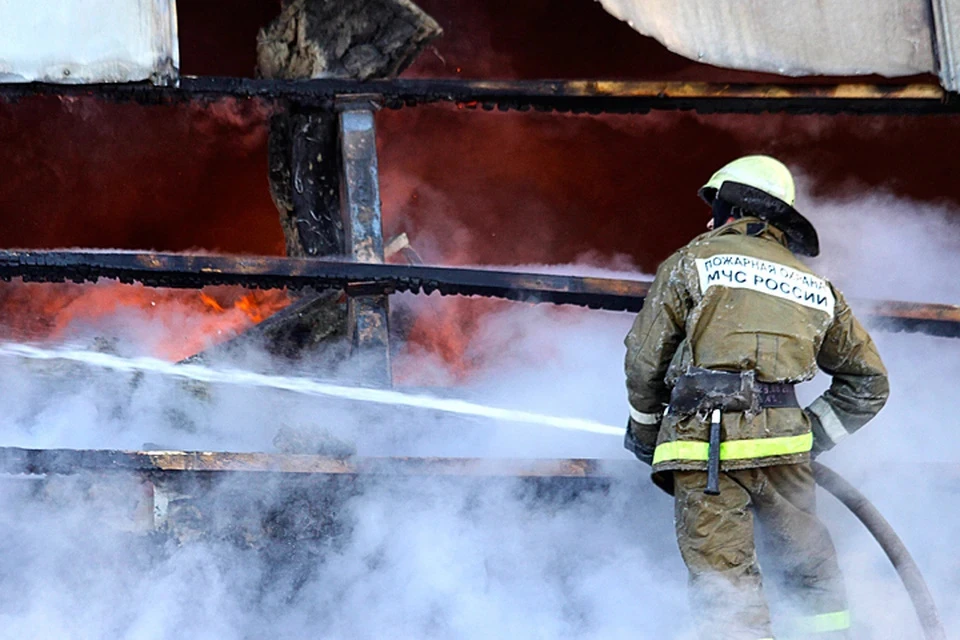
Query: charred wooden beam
pixel 359 39
pixel 16 460
pixel 23 461
pixel 578 96
pixel 345 39
pixel 290 332
pixel 305 323
pixel 195 271
pixel 349 40
pixel 915 317
pixel 304 176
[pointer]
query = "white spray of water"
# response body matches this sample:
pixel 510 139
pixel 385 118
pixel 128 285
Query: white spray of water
pixel 305 386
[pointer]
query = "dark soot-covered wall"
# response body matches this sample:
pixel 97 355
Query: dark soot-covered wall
pixel 467 186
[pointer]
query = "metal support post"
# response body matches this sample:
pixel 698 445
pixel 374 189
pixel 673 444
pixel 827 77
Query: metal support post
pixel 367 323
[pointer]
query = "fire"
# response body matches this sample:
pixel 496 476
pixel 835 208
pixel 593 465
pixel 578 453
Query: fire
pixel 256 309
pixel 211 302
pixel 168 323
pixel 442 328
pixel 452 340
pixel 255 305
pixel 448 330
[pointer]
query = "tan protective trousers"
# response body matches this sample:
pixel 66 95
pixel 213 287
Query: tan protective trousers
pixel 716 539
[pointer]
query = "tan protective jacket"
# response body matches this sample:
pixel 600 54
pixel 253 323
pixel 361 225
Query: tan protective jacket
pixel 736 299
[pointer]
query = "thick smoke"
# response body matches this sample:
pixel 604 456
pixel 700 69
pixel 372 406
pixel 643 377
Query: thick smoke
pixel 413 558
pixel 425 558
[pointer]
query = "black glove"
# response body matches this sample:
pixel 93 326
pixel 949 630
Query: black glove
pixel 643 452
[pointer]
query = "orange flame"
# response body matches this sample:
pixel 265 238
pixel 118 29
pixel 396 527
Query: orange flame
pixel 446 328
pixel 210 302
pixel 177 323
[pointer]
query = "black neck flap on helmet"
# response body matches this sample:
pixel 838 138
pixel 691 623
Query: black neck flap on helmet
pixel 801 235
pixel 722 212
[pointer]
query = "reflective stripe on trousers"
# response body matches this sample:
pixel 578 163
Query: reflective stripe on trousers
pixel 822 623
pixel 734 449
pixel 716 539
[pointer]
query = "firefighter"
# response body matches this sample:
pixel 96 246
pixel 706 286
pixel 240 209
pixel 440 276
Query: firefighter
pixel 733 321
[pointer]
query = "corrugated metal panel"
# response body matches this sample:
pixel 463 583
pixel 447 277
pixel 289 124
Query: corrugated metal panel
pixel 828 37
pixel 89 41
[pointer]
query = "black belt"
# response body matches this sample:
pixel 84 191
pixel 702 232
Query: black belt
pixel 777 395
pixel 702 390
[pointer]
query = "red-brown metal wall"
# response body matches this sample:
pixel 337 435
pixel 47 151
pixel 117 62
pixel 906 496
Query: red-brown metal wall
pixel 466 186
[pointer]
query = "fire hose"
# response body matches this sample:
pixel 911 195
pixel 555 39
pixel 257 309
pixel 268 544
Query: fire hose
pixel 891 544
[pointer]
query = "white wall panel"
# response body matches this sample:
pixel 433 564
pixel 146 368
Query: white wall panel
pixel 88 41
pixel 793 37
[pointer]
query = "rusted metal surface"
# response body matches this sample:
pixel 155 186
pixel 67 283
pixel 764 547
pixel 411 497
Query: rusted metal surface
pixel 368 315
pixel 194 271
pixel 14 460
pixel 361 206
pixel 579 96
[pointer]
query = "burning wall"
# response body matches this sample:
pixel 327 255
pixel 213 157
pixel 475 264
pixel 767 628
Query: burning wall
pixel 468 187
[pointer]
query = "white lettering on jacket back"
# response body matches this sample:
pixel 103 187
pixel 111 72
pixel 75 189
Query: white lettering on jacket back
pixel 763 276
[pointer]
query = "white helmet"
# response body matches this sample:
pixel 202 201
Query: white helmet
pixel 764 187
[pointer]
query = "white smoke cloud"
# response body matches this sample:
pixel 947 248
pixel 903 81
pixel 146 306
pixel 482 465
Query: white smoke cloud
pixel 878 246
pixel 436 558
pixel 439 557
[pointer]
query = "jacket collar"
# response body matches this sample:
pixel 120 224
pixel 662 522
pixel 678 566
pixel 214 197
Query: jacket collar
pixel 747 224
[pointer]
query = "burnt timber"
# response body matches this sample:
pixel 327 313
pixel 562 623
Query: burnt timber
pixel 323 165
pixel 576 96
pixel 187 271
pixel 363 279
pixel 15 460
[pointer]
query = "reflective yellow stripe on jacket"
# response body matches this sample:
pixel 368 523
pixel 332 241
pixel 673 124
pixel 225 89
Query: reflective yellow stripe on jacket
pixel 733 449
